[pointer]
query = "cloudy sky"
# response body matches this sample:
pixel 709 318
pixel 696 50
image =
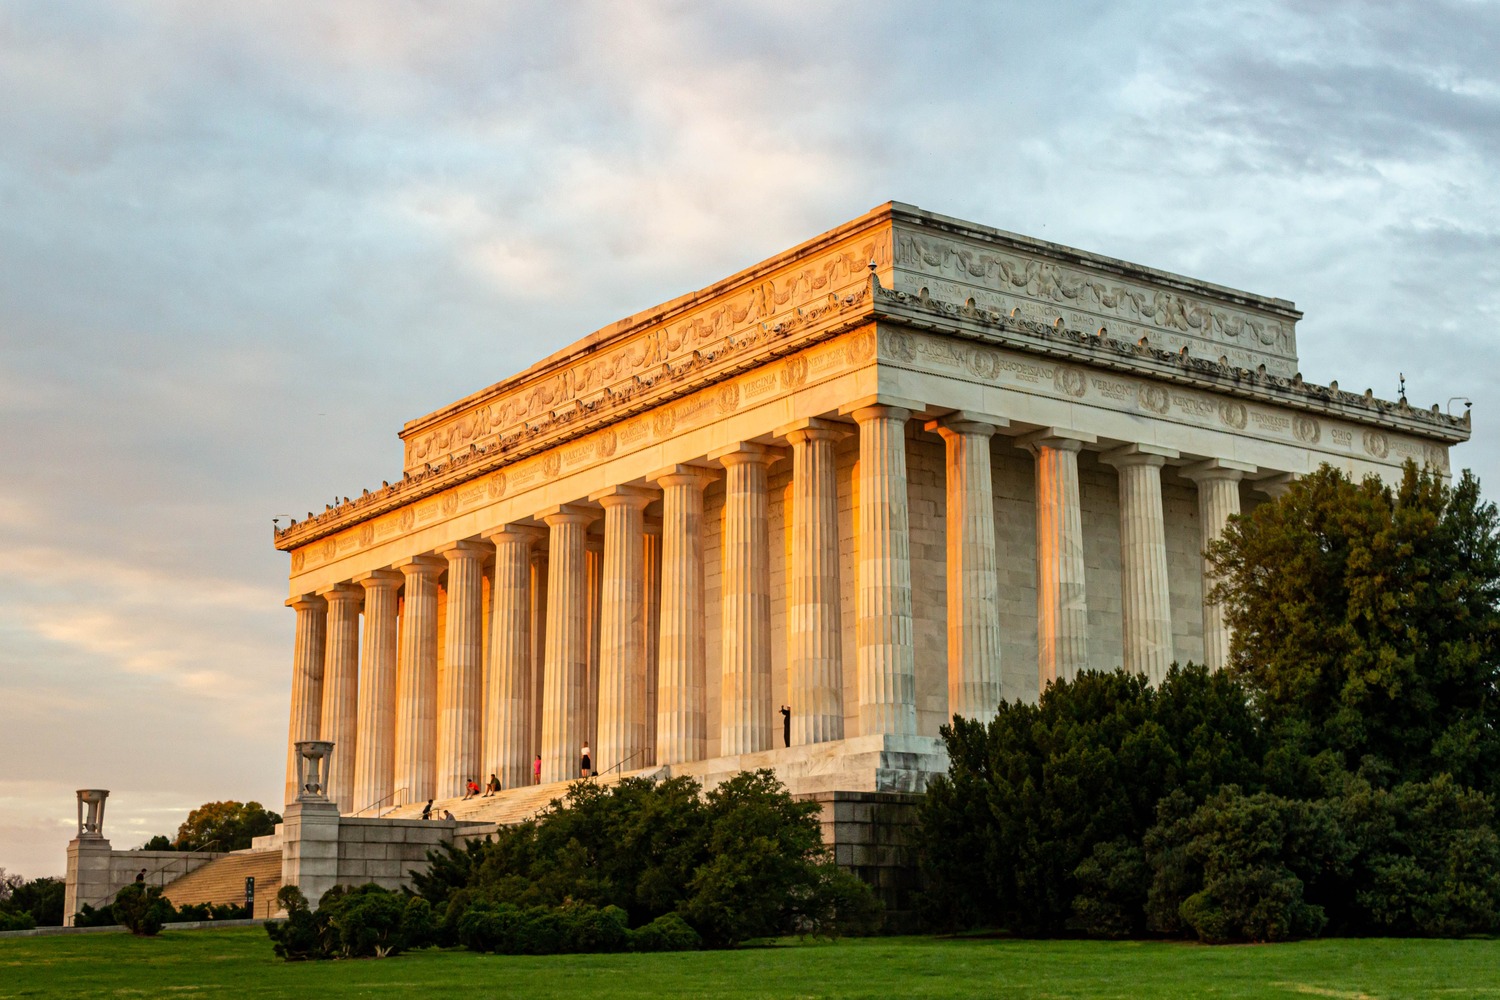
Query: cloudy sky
pixel 241 243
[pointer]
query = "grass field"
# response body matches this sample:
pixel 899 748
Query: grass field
pixel 234 963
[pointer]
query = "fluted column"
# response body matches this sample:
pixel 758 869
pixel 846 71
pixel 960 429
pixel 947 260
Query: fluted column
pixel 1218 499
pixel 416 681
pixel 973 569
pixel 1062 607
pixel 745 710
pixel 376 753
pixel 883 629
pixel 1145 592
pixel 651 641
pixel 507 679
pixel 815 658
pixel 307 680
pixel 340 715
pixel 539 584
pixel 567 643
pixel 593 561
pixel 681 715
pixel 621 733
pixel 460 715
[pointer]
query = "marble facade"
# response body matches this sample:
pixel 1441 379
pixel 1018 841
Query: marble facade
pixel 908 468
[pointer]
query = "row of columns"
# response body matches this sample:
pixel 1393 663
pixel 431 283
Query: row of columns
pixel 574 632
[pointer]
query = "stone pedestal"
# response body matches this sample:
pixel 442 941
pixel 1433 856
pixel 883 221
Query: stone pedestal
pixel 310 848
pixel 88 874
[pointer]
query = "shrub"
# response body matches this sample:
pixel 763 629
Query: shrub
pixel 141 909
pixel 16 921
pixel 367 921
pixel 87 916
pixel 302 935
pixel 668 932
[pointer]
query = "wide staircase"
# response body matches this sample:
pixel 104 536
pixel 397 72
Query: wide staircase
pixel 512 805
pixel 223 881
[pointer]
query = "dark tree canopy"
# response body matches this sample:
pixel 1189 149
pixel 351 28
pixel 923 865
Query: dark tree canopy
pixel 224 826
pixel 1367 622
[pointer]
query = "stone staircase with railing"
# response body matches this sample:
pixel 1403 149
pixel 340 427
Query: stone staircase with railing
pixel 222 880
pixel 512 805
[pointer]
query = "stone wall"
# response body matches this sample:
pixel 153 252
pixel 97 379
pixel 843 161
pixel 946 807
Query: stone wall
pixel 871 834
pixel 96 872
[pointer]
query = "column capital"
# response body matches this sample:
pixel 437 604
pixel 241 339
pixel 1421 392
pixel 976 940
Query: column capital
pixel 624 496
pixel 421 565
pixel 812 429
pixel 347 591
pixel 452 551
pixel 1056 438
pixel 966 422
pixel 527 533
pixel 1217 468
pixel 568 513
pixel 1275 485
pixel 1138 454
pixel 684 475
pixel 306 602
pixel 746 452
pixel 379 578
pixel 881 405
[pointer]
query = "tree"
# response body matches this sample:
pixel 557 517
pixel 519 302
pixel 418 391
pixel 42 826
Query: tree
pixel 1366 623
pixel 225 826
pixel 1045 802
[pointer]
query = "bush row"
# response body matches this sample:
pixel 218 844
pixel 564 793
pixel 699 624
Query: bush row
pixel 144 910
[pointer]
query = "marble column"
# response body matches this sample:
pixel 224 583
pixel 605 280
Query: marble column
pixel 416 682
pixel 883 629
pixel 593 561
pixel 815 657
pixel 340 717
pixel 307 680
pixel 567 643
pixel 461 715
pixel 745 709
pixel 1145 591
pixel 621 733
pixel 507 680
pixel 376 751
pixel 1218 499
pixel 973 568
pixel 1062 608
pixel 539 584
pixel 681 712
pixel 651 640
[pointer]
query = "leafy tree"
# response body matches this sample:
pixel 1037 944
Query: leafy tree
pixel 745 860
pixel 227 826
pixel 1046 799
pixel 1366 622
pixel 159 843
pixel 33 903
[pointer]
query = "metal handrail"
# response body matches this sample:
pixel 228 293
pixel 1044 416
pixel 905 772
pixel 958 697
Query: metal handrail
pixel 186 854
pixel 379 802
pixel 618 764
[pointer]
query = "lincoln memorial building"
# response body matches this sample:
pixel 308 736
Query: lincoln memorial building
pixel 910 468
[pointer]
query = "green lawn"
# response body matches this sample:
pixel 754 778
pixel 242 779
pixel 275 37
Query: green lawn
pixel 239 962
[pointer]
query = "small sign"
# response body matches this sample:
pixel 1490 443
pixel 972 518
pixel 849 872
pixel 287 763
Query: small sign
pixel 250 894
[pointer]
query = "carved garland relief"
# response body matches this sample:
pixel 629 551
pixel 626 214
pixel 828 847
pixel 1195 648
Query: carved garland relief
pixel 772 308
pixel 1046 281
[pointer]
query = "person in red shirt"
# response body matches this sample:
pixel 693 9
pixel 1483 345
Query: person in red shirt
pixel 472 789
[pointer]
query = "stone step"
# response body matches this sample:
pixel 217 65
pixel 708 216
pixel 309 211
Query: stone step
pixel 223 881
